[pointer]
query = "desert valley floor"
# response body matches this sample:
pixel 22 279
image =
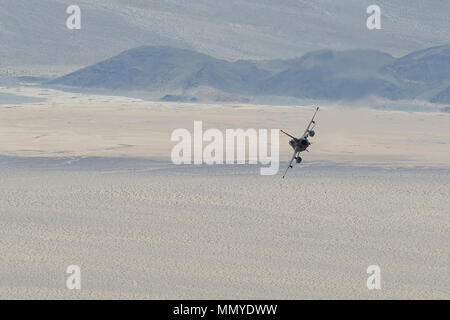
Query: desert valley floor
pixel 87 180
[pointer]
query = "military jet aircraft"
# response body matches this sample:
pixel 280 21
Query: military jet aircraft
pixel 301 144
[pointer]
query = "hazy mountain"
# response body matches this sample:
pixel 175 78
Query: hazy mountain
pixel 35 33
pixel 332 75
pixel 166 68
pixel 423 71
pixel 442 97
pixel 324 74
pixel 140 68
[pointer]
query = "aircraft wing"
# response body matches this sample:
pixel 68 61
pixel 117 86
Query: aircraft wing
pixel 290 163
pixel 288 134
pixel 305 135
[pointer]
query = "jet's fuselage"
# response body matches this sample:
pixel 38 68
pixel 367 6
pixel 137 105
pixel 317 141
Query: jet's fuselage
pixel 299 145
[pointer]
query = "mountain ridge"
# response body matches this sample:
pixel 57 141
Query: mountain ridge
pixel 322 74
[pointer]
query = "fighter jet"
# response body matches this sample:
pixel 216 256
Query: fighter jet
pixel 301 144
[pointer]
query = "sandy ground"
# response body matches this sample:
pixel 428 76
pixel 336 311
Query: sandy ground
pixel 87 180
pixel 71 124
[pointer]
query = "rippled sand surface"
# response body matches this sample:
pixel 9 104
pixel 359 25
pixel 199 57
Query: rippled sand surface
pixel 147 229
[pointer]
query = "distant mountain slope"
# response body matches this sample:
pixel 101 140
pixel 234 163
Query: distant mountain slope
pixel 139 68
pixel 442 97
pixel 422 70
pixel 166 68
pixel 333 75
pixel 324 74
